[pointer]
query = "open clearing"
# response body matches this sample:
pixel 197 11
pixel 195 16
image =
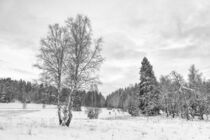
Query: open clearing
pixel 36 123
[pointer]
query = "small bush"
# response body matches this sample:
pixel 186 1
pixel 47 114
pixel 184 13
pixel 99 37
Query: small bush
pixel 93 113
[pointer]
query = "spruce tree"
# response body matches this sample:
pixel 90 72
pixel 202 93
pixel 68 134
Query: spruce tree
pixel 149 94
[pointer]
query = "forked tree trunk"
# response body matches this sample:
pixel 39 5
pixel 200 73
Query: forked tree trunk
pixel 67 123
pixel 69 105
pixel 66 117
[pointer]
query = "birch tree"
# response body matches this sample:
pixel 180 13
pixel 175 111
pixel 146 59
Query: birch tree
pixel 70 57
pixel 53 57
pixel 84 57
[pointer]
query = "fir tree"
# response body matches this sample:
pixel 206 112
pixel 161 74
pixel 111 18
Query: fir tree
pixel 149 94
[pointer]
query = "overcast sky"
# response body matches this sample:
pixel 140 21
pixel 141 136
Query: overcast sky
pixel 173 34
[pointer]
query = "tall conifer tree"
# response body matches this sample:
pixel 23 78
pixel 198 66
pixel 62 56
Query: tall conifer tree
pixel 149 94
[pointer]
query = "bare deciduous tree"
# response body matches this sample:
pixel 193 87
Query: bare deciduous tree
pixel 53 57
pixel 84 55
pixel 70 57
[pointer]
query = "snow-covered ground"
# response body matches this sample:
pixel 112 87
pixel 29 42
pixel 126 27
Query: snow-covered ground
pixel 35 123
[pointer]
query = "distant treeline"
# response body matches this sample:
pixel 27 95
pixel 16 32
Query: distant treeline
pixel 25 92
pixel 122 98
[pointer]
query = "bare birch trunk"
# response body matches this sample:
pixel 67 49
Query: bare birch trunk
pixel 66 112
pixel 59 106
pixel 69 105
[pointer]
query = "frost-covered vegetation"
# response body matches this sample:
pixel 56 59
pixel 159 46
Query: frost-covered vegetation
pixel 171 94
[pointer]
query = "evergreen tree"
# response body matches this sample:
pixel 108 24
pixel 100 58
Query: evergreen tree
pixel 121 98
pixel 195 78
pixel 133 106
pixel 3 95
pixel 94 99
pixel 77 101
pixel 149 94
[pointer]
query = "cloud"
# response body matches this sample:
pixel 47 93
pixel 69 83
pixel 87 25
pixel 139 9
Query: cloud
pixel 172 34
pixel 187 52
pixel 119 78
pixel 118 46
pixel 21 71
pixel 122 61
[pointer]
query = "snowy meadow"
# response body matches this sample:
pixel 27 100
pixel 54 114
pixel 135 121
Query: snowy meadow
pixel 104 70
pixel 36 123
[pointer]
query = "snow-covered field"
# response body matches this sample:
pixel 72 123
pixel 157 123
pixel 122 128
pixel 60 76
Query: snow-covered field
pixel 35 123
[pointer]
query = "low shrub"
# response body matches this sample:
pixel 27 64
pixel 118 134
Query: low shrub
pixel 93 113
